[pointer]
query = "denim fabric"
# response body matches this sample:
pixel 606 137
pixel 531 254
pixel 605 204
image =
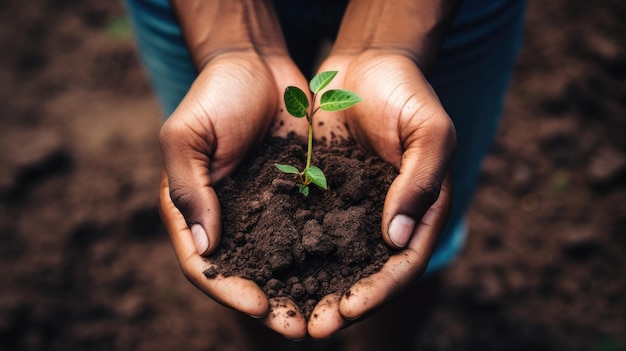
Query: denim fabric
pixel 471 77
pixel 162 50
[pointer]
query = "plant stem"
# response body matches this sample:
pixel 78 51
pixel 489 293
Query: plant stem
pixel 309 118
pixel 310 147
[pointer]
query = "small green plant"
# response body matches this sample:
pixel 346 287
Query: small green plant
pixel 297 105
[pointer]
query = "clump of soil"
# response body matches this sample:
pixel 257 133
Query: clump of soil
pixel 303 247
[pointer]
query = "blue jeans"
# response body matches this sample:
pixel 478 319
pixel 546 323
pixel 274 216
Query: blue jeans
pixel 471 78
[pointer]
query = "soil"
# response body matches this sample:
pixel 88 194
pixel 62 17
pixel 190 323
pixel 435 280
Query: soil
pixel 87 265
pixel 303 248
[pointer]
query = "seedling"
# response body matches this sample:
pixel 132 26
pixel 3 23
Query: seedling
pixel 298 106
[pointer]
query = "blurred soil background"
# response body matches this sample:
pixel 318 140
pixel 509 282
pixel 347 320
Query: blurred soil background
pixel 85 263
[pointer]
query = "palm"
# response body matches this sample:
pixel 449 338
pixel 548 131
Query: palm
pixel 392 88
pixel 230 107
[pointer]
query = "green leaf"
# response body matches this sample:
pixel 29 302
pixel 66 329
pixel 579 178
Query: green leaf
pixel 316 176
pixel 320 81
pixel 338 99
pixel 287 168
pixel 296 101
pixel 303 189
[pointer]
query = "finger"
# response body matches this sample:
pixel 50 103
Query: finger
pixel 285 318
pixel 403 268
pixel 326 319
pixel 373 291
pixel 234 292
pixel 237 293
pixel 186 159
pixel 434 220
pixel 425 161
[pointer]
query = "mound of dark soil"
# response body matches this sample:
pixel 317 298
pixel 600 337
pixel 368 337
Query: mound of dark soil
pixel 303 247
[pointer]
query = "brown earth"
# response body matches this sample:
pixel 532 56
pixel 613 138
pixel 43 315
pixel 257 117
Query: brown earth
pixel 86 264
pixel 298 247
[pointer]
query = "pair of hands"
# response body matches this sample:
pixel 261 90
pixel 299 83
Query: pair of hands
pixel 236 100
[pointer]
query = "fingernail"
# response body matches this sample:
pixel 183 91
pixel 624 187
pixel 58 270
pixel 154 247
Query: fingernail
pixel 259 316
pixel 401 229
pixel 200 239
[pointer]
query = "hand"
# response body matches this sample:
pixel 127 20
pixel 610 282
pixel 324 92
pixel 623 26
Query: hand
pixel 229 108
pixel 402 120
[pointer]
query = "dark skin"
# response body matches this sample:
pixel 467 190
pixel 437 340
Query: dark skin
pixel 243 68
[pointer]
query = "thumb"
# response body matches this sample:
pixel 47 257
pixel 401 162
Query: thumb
pixel 186 159
pixel 418 185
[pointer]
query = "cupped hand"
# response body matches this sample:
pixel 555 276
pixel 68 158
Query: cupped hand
pixel 402 120
pixel 231 106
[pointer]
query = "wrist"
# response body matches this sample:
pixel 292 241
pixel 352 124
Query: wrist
pixel 213 28
pixel 413 28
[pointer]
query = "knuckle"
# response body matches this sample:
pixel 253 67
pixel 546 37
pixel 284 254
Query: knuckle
pixel 184 135
pixel 448 131
pixel 442 127
pixel 183 198
pixel 170 131
pixel 428 125
pixel 428 188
